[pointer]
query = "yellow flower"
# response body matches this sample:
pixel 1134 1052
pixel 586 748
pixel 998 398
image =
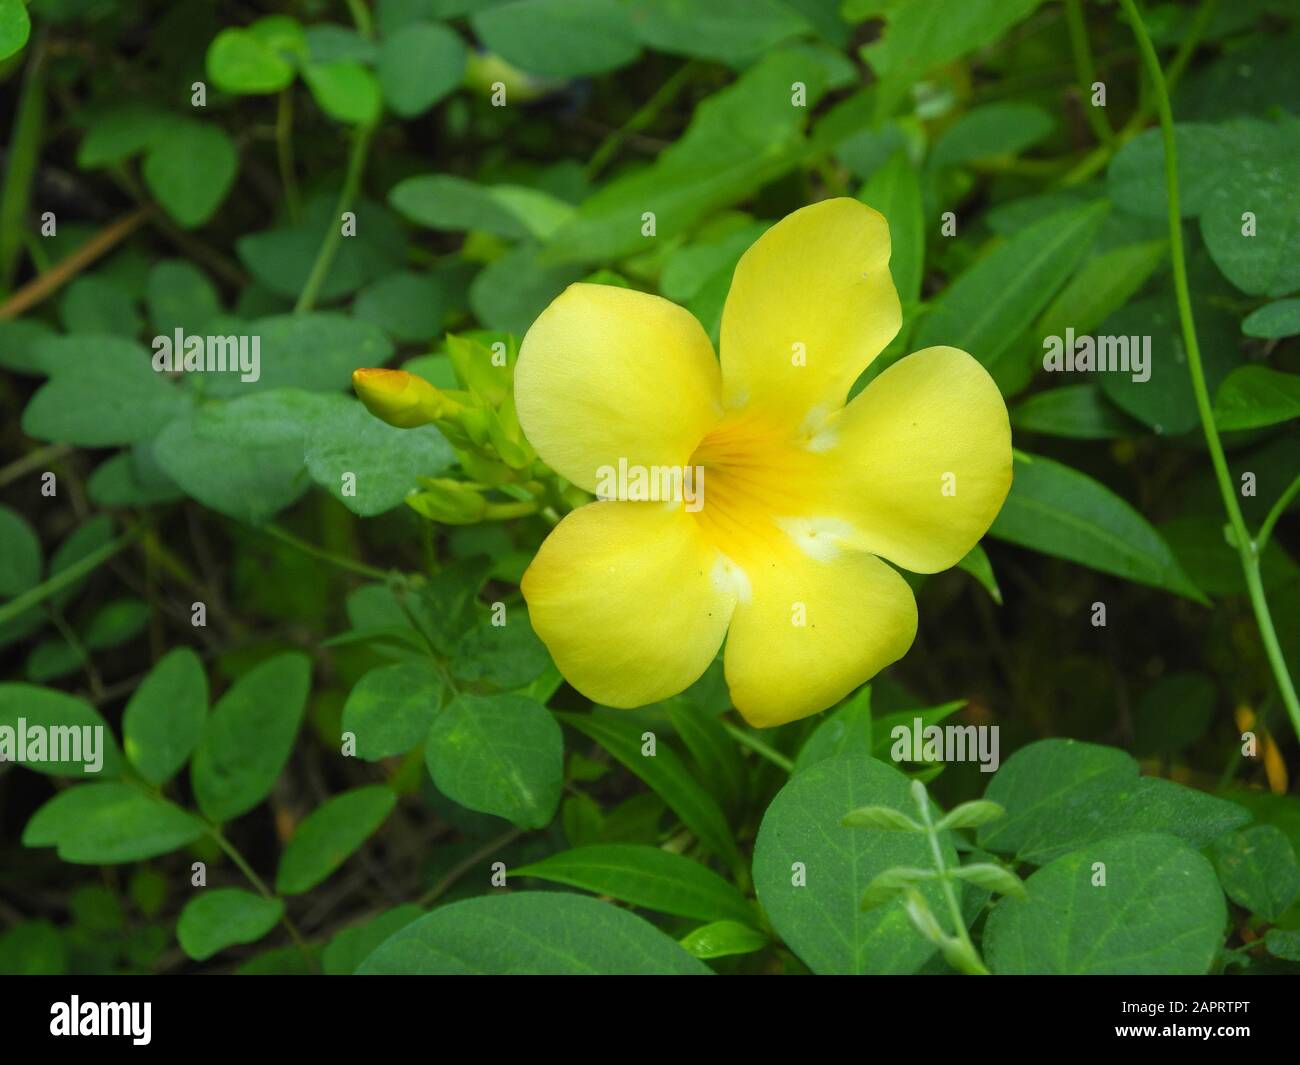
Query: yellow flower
pixel 801 492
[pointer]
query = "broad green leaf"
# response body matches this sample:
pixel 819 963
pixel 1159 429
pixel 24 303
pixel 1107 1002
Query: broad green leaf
pixel 190 169
pixel 1255 396
pixel 506 656
pixel 444 201
pixel 350 947
pixel 15 27
pixel 249 736
pixel 498 754
pixel 998 129
pixel 405 305
pixel 1258 870
pixel 731 31
pixel 559 38
pixel 1062 794
pixel 102 391
pixel 976 563
pixel 1273 320
pixel 1160 912
pixel 165 716
pixel 266 472
pixel 418 65
pixel 722 939
pixel 894 190
pixel 37 723
pixel 846 730
pixel 120 132
pixel 666 775
pixel 886 734
pixel 258 59
pixel 648 877
pixel 1283 944
pixel 810 871
pixel 110 823
pixel 327 42
pixel 223 917
pixel 345 90
pixel 389 710
pixel 93 305
pixel 366 464
pixel 1076 412
pixel 330 834
pixel 20 553
pixel 510 292
pixel 445 608
pixel 33 948
pixel 991 305
pixel 1062 512
pixel 114 623
pixel 180 296
pixel 19 342
pixel 530 933
pixel 122 481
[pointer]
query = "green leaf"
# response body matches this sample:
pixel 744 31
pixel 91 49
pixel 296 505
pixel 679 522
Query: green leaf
pixel 1076 412
pixel 894 190
pixel 883 729
pixel 1062 512
pixel 999 129
pixel 265 473
pixel 126 481
pixel 390 709
pixel 1160 912
pixel 190 169
pixel 559 38
pixel 810 873
pixel 259 59
pixel 110 823
pixel 666 774
pixel 880 819
pixel 992 878
pixel 530 933
pixel 510 292
pixel 350 947
pixel 971 814
pixel 991 305
pixel 62 720
pixel 115 623
pixel 1061 794
pixel 93 305
pixel 1273 320
pixel 165 716
pixel 1103 284
pixel 1255 396
pixel 648 877
pixel 722 939
pixel 407 306
pixel 120 132
pixel 1283 944
pixel 249 736
pixel 715 753
pixel 731 31
pixel 367 465
pixel 15 27
pixel 102 391
pixel 1173 714
pixel 506 656
pixel 498 754
pixel 846 730
pixel 976 563
pixel 330 834
pixel 223 917
pixel 33 948
pixel 444 201
pixel 1258 870
pixel 345 90
pixel 418 65
pixel 20 553
pixel 180 296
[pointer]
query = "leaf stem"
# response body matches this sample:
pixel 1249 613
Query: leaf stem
pixel 1247 548
pixel 1278 509
pixel 971 963
pixel 20 604
pixel 1087 71
pixel 759 747
pixel 646 114
pixel 284 153
pixel 286 537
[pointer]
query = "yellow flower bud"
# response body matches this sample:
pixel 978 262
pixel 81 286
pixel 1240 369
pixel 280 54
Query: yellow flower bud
pixel 403 399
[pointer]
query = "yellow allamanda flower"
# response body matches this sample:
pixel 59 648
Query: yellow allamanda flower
pixel 801 492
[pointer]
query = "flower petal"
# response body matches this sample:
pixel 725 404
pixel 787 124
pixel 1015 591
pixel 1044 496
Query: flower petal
pixel 818 278
pixel 629 600
pixel 857 614
pixel 920 460
pixel 608 373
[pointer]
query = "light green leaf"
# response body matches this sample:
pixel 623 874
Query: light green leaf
pixel 249 736
pixel 731 31
pixel 647 877
pixel 976 563
pixel 894 190
pixel 1255 396
pixel 559 38
pixel 62 720
pixel 722 939
pixel 345 90
pixel 190 169
pixel 498 754
pixel 1062 512
pixel 15 27
pixel 998 129
pixel 391 707
pixel 110 823
pixel 846 730
pixel 180 296
pixel 165 716
pixel 258 59
pixel 1278 319
pixel 810 872
pixel 418 65
pixel 330 834
pixel 405 305
pixel 1160 913
pixel 530 933
pixel 223 917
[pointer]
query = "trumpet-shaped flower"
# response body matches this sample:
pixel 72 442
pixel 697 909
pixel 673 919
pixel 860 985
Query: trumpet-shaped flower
pixel 798 495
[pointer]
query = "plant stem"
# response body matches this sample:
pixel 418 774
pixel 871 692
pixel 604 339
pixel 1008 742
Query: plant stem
pixel 972 965
pixel 233 853
pixel 33 460
pixel 20 169
pixel 1279 508
pixel 1247 548
pixel 330 245
pixel 361 16
pixel 465 865
pixel 648 112
pixel 759 747
pixel 22 603
pixel 1087 71
pixel 284 153
pixel 286 537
